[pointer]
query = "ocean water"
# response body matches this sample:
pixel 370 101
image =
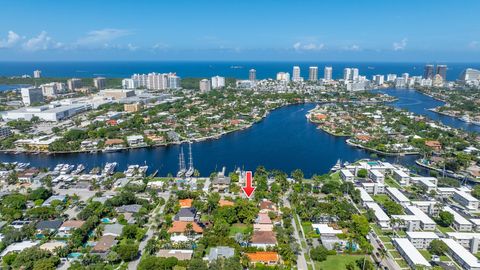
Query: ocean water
pixel 235 69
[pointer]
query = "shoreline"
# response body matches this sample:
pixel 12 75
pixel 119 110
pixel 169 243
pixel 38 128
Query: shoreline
pixel 128 148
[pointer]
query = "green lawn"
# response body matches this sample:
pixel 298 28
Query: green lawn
pixel 392 183
pixel 396 255
pixel 388 245
pixel 381 198
pixel 384 238
pixel 444 229
pixel 339 262
pixel 425 254
pixel 309 232
pixel 237 228
pixel 402 263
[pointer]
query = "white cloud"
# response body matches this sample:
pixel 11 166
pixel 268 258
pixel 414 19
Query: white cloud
pixel 299 46
pixel 12 39
pixel 353 47
pixel 400 46
pixel 474 45
pixel 132 47
pixel 40 43
pixel 160 46
pixel 101 37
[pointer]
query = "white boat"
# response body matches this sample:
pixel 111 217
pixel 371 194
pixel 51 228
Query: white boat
pixel 142 170
pixel 131 170
pixel 109 168
pixel 337 166
pixel 80 168
pixel 66 169
pixel 466 119
pixel 57 168
pixel 111 149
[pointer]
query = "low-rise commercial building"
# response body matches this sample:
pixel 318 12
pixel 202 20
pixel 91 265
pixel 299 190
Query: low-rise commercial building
pixel 50 113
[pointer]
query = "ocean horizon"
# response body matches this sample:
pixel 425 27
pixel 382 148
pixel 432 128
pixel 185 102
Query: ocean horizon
pixel 227 68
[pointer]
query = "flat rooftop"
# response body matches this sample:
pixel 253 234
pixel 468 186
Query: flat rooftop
pixel 461 252
pixel 411 252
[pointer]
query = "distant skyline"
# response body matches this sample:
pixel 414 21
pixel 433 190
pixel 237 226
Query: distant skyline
pixel 267 30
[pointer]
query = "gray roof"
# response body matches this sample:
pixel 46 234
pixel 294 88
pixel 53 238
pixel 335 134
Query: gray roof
pixel 130 208
pixel 225 252
pixel 221 180
pixel 113 229
pixel 49 224
pixel 186 212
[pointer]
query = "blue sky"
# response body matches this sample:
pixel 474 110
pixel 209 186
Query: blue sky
pixel 370 30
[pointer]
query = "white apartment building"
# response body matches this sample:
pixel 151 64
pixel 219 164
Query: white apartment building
pixel 376 176
pixel 204 85
pixel 373 188
pixel 402 177
pixel 218 82
pixel 382 218
pixel 465 199
pixel 461 256
pixel 296 74
pixel 460 223
pixel 313 74
pixel 421 240
pixel 466 239
pixel 31 95
pixel 327 73
pixel 397 196
pixel 347 175
pixel 408 251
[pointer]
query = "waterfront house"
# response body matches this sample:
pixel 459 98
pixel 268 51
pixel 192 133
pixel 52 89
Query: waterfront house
pixel 435 145
pixel 114 142
pixel 221 183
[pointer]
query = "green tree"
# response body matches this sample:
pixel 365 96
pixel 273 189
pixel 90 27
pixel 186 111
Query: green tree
pixel 437 247
pixel 127 251
pixel 362 173
pixel 445 218
pixel 319 253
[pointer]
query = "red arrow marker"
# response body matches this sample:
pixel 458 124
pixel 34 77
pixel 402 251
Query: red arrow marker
pixel 248 189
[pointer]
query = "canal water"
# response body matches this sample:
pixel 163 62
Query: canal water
pixel 284 140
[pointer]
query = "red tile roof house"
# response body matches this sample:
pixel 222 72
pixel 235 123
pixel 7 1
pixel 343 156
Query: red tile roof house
pixel 263 218
pixel 264 257
pixel 267 206
pixel 179 228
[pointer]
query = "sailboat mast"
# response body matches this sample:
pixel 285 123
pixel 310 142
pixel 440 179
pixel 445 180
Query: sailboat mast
pixel 190 156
